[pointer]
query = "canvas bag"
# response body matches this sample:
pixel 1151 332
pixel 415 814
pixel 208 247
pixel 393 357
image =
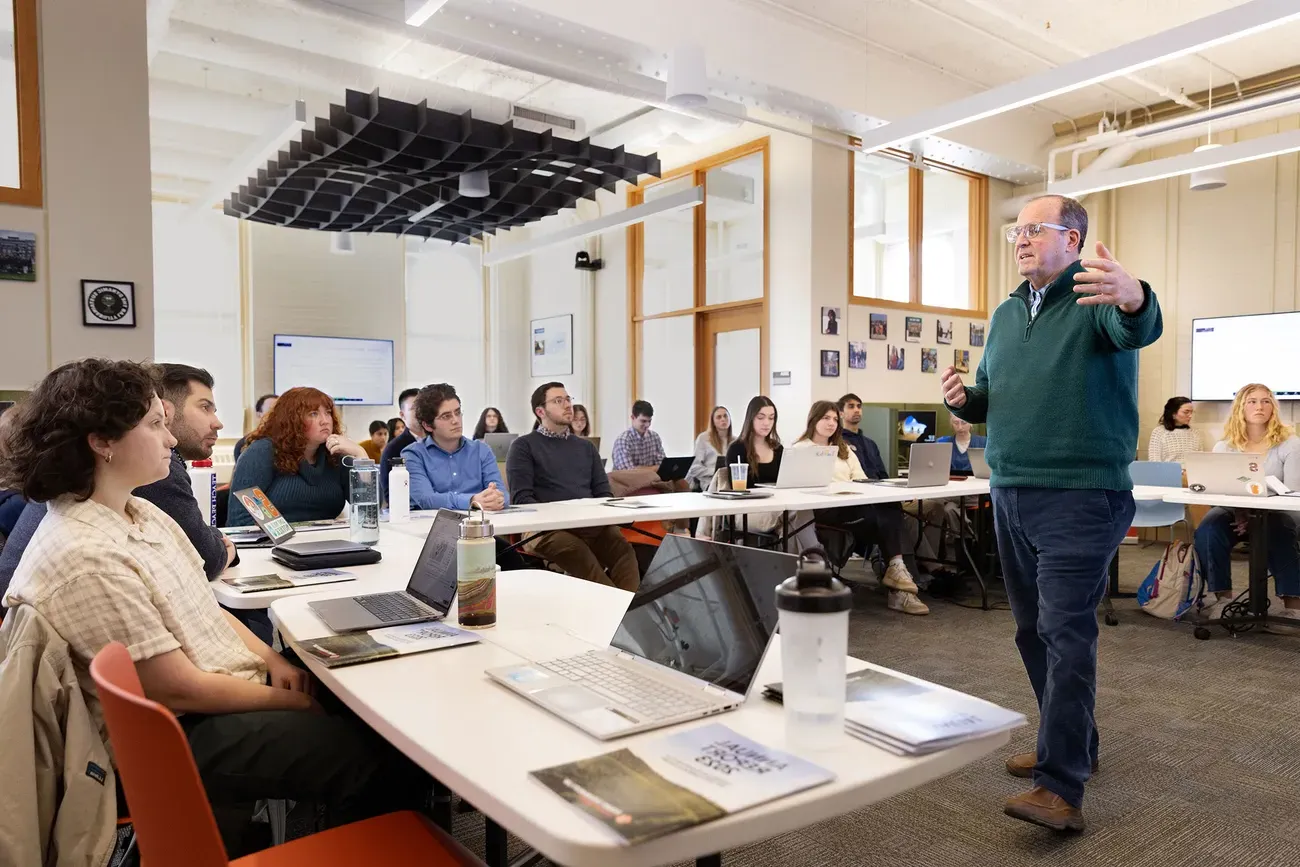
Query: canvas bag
pixel 1174 585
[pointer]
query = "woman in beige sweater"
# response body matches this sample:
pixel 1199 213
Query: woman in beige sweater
pixel 1174 437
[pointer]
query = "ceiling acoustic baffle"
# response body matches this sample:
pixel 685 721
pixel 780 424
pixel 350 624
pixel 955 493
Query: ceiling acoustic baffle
pixel 382 165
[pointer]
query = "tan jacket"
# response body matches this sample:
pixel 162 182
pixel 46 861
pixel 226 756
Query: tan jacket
pixel 58 804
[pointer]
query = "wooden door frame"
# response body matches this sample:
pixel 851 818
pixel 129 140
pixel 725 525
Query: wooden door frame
pixel 708 324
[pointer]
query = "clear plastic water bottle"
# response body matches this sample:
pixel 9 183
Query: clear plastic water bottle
pixel 363 497
pixel 814 614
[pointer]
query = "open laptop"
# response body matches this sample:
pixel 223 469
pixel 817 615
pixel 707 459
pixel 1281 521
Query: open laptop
pixel 274 526
pixel 804 468
pixel 1225 473
pixel 674 469
pixel 500 443
pixel 979 466
pixel 928 466
pixel 690 644
pixel 428 595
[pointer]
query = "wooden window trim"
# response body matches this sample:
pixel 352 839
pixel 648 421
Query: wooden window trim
pixel 978 223
pixel 29 191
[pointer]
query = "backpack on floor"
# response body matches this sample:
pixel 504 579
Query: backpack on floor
pixel 1174 585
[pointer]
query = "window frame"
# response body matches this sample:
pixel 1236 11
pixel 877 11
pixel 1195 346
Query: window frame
pixel 29 191
pixel 978 230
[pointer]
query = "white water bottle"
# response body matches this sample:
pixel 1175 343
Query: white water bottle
pixel 399 493
pixel 203 482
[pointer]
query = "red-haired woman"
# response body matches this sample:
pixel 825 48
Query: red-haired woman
pixel 294 457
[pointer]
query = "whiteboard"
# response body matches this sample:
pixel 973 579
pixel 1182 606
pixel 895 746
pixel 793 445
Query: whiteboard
pixel 1231 351
pixel 352 371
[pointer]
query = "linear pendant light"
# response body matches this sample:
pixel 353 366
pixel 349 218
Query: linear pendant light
pixel 1221 27
pixel 1202 159
pixel 420 11
pixel 618 220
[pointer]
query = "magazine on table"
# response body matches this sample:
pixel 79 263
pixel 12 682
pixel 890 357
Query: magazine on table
pixel 912 718
pixel 354 647
pixel 663 785
pixel 256 583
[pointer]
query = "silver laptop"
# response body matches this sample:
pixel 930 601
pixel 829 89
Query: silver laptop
pixel 1225 473
pixel 690 644
pixel 500 443
pixel 805 468
pixel 979 466
pixel 928 465
pixel 428 595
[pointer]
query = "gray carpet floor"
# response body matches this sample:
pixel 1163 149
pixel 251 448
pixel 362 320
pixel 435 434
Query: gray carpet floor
pixel 1200 750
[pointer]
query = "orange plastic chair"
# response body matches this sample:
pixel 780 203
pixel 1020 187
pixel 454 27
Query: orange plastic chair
pixel 172 816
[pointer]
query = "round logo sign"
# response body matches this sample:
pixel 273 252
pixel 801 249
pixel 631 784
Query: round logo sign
pixel 108 303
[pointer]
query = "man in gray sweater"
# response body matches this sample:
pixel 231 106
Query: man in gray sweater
pixel 551 464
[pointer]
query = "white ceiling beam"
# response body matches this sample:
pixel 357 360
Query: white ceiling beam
pixel 287 122
pixel 158 19
pixel 1217 29
pixel 1183 164
pixel 619 219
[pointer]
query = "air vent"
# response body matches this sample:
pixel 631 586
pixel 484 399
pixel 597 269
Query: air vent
pixel 539 121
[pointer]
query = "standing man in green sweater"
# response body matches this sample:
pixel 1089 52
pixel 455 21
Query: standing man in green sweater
pixel 1063 346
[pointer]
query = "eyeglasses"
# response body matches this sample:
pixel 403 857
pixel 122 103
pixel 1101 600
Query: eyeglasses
pixel 1032 230
pixel 561 401
pixel 450 416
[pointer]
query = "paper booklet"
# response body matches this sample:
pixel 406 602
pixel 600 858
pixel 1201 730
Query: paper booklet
pixel 255 583
pixel 664 785
pixel 913 718
pixel 627 504
pixel 355 647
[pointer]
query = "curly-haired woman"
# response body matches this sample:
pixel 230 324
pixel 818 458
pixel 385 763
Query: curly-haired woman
pixel 294 456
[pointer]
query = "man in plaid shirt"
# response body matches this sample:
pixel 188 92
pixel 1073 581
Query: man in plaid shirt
pixel 638 446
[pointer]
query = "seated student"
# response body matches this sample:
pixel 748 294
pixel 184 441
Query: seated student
pixel 105 565
pixel 940 516
pixel 550 464
pixel 581 422
pixel 638 446
pixel 406 405
pixel 490 421
pixel 447 470
pixel 896 577
pixel 1254 427
pixel 261 407
pixel 192 419
pixel 709 446
pixel 378 439
pixel 1174 437
pixel 396 427
pixel 880 524
pixel 294 456
pixel 759 446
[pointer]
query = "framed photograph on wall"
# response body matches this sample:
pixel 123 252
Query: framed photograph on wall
pixel 961 360
pixel 830 362
pixel 896 357
pixel 929 360
pixel 976 335
pixel 108 302
pixel 879 326
pixel 831 318
pixel 913 332
pixel 552 345
pixel 943 331
pixel 17 255
pixel 857 355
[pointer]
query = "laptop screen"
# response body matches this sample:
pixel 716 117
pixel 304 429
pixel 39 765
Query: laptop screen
pixel 706 609
pixel 265 514
pixel 434 580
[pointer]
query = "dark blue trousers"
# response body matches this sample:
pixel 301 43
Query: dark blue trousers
pixel 1055 546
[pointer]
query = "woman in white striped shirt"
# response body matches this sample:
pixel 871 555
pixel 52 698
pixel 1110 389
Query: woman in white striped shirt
pixel 1174 437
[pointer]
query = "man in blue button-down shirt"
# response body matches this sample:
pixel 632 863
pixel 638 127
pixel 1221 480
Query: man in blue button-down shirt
pixel 447 470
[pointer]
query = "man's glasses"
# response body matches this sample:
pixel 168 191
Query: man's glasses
pixel 561 401
pixel 1032 230
pixel 450 416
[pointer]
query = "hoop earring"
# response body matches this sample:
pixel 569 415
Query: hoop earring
pixel 108 458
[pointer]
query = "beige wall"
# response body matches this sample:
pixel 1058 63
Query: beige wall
pixel 1210 253
pixel 96 222
pixel 299 287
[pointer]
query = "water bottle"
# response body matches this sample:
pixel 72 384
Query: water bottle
pixel 203 482
pixel 814 615
pixel 363 495
pixel 399 493
pixel 476 572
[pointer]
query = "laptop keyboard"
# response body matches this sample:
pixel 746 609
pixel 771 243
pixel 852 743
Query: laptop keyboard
pixel 647 697
pixel 392 606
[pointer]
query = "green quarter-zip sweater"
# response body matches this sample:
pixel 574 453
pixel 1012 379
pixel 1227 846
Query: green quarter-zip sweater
pixel 1058 391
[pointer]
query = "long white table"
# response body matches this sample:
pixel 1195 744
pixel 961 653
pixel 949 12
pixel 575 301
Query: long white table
pixel 482 740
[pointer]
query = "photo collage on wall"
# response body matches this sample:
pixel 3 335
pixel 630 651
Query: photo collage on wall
pixel 833 323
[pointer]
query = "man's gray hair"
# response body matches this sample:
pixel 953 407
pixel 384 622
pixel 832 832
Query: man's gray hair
pixel 1073 215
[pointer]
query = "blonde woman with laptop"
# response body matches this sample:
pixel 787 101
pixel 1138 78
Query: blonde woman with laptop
pixel 709 446
pixel 1254 427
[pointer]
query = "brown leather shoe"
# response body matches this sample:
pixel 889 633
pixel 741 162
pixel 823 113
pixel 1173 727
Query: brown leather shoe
pixel 1045 808
pixel 1022 765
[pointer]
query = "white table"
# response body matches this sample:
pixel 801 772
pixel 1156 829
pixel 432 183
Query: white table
pixel 1256 509
pixel 482 740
